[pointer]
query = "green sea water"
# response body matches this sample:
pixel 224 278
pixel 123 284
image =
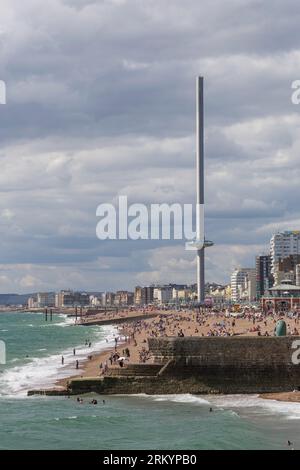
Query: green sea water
pixel 34 350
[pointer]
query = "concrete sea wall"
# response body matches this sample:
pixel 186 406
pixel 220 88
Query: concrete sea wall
pixel 236 351
pixel 205 366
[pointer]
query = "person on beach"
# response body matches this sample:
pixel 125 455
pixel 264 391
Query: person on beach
pixel 74 352
pixel 62 360
pixel 77 364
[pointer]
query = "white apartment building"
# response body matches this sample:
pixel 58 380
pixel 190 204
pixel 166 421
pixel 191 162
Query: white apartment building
pixel 45 299
pixel 181 294
pixel 162 295
pixel 32 302
pixel 284 244
pixel 243 284
pixel 95 301
pixel 248 290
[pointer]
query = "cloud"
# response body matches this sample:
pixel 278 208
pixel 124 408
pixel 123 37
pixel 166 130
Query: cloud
pixel 101 103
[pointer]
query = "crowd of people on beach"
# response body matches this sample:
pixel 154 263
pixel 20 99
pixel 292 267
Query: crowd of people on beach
pixel 130 344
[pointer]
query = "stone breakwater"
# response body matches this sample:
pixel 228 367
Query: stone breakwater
pixel 205 365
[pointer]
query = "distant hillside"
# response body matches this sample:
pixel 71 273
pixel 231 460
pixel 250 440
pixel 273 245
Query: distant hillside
pixel 14 299
pixel 22 299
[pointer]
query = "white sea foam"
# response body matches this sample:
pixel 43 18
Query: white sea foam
pixel 44 372
pixel 176 398
pixel 183 398
pixel 236 404
pixel 253 404
pixel 67 322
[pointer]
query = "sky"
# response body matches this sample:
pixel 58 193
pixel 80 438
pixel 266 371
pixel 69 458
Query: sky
pixel 101 103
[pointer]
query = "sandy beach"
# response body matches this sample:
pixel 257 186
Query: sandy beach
pixel 292 397
pixel 132 340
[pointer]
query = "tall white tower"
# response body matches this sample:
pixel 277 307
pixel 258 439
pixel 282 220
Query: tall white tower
pixel 200 243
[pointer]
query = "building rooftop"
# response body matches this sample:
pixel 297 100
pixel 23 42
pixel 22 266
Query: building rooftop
pixel 285 287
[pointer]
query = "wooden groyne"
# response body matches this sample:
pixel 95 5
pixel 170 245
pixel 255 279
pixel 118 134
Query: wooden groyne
pixel 116 320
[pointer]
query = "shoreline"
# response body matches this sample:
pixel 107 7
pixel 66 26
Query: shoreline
pixel 90 367
pixel 136 332
pixel 288 397
pixel 136 341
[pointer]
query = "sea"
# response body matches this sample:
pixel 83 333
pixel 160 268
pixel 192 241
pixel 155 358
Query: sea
pixel 163 422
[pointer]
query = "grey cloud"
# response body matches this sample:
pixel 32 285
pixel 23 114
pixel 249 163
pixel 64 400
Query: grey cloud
pixel 101 103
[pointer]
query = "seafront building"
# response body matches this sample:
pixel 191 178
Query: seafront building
pixel 143 295
pixel 271 270
pixel 248 289
pixel 32 302
pixel 282 298
pixel 139 296
pixel 108 299
pixel 298 275
pixel 123 298
pixel 219 294
pixel 286 268
pixel 264 276
pixel 68 298
pixel 243 285
pixel 163 294
pixel 96 300
pixel 283 245
pixel 41 300
pixel 182 294
pixel 45 299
